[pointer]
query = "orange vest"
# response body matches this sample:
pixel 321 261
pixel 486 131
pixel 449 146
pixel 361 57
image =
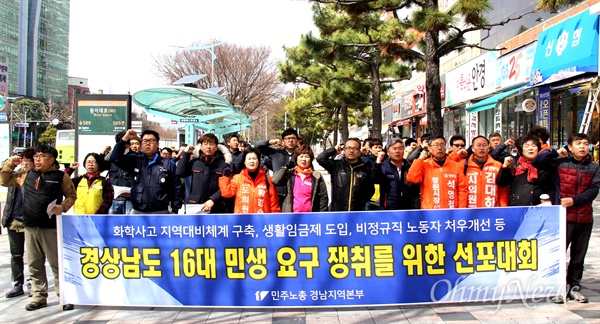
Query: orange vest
pixel 441 186
pixel 483 191
pixel 251 197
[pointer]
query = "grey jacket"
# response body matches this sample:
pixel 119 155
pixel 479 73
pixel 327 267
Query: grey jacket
pixel 319 199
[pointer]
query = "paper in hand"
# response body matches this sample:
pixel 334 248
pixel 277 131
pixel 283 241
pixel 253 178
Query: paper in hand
pixel 50 208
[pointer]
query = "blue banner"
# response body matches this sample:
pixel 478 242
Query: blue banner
pixel 543 111
pixel 313 259
pixel 568 47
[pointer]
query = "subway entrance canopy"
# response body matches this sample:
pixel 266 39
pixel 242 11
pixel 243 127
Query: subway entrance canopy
pixel 198 109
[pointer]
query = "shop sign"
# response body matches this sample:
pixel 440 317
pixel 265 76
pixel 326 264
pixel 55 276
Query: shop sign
pixel 543 113
pixel 498 119
pixel 529 105
pixel 571 46
pixel 472 126
pixel 515 67
pixel 406 103
pixel 474 79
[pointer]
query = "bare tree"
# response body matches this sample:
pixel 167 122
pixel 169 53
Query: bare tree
pixel 247 74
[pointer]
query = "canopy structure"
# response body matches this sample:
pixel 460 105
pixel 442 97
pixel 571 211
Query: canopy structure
pixel 198 109
pixel 490 102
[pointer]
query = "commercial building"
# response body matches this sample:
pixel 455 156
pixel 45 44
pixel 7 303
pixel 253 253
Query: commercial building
pixel 35 43
pixel 545 75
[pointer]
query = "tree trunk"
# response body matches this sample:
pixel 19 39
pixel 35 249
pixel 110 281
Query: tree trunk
pixel 376 95
pixel 433 84
pixel 344 124
pixel 336 125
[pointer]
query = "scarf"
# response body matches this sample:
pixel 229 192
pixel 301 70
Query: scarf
pixel 525 166
pixel 307 171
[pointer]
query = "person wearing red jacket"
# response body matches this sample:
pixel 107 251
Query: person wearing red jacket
pixel 443 182
pixel 578 182
pixel 481 174
pixel 252 187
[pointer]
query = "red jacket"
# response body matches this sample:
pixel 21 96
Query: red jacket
pixel 250 196
pixel 441 186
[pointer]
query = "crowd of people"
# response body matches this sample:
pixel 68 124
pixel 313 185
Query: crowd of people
pixel 136 176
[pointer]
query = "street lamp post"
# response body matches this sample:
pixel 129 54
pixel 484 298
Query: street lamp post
pixel 213 57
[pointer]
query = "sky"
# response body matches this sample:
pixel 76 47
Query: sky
pixel 112 42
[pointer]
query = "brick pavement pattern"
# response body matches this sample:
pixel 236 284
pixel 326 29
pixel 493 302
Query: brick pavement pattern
pixel 530 311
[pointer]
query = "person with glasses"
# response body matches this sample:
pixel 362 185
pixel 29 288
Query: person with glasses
pixel 278 154
pixel 352 183
pixel 155 188
pixel 442 180
pixel 95 193
pixel 481 172
pixel 42 186
pixel 12 220
pixel 205 170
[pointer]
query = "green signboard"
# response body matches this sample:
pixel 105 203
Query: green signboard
pixel 101 117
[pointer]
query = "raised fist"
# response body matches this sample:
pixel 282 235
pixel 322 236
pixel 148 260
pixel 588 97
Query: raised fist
pixel 227 172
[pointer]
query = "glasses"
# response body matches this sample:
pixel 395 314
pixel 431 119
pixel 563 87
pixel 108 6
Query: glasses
pixel 351 148
pixel 149 141
pixel 39 156
pixel 290 138
pixel 458 145
pixel 91 162
pixel 438 145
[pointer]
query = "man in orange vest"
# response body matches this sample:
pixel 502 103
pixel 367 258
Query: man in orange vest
pixel 442 180
pixel 481 174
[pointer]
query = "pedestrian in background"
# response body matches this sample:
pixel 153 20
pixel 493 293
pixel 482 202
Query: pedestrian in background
pixel 12 220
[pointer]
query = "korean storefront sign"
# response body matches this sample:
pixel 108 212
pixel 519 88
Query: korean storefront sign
pixel 543 111
pixel 471 80
pixel 515 67
pixel 313 259
pixel 567 48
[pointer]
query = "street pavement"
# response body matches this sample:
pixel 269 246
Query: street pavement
pixel 530 311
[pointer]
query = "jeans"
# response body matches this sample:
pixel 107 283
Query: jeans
pixel 120 207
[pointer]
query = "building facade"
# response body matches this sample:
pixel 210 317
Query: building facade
pixel 35 42
pixel 544 73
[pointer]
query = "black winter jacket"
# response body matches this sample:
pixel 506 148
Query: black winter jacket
pixel 154 184
pixel 278 157
pixel 574 179
pixel 13 209
pixel 395 192
pixel 523 192
pixel 205 172
pixel 352 185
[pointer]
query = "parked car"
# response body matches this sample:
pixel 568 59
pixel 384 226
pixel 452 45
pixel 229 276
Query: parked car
pixel 18 150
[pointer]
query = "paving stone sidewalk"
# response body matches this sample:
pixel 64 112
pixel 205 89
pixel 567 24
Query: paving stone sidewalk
pixel 13 310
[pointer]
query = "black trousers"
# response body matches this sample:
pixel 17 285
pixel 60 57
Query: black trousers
pixel 16 242
pixel 578 236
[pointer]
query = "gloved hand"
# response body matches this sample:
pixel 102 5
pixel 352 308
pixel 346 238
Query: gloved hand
pixel 291 164
pixel 227 172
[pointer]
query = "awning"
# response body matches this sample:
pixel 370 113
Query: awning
pixel 423 121
pixel 490 102
pixel 198 108
pixel 568 47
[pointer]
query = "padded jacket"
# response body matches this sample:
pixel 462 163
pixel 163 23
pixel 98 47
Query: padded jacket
pixel 251 196
pixel 579 180
pixel 352 185
pixel 319 199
